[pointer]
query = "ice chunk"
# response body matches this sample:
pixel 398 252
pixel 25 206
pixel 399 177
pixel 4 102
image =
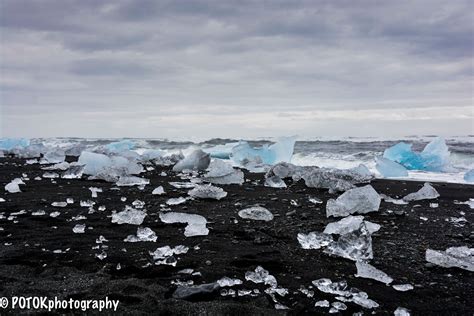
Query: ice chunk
pixel 50 175
pixel 314 240
pixel 165 255
pixel 188 292
pixel 389 168
pixel 54 155
pixel 197 160
pixel 220 172
pixel 59 166
pixel 94 191
pixel 401 311
pixel 260 275
pixel 11 143
pixel 221 151
pixel 275 182
pixel 123 145
pixel 196 223
pixel 257 213
pixel 356 245
pixel 131 181
pixel 151 154
pixel 79 229
pixel 349 224
pixel 207 192
pixel 129 216
pixel 282 151
pixel 403 287
pixel 13 186
pixel 59 204
pixel 74 172
pixel 323 303
pixel 469 176
pixel 388 199
pixel 176 201
pixel 358 200
pixel 427 192
pixel 365 270
pixel 143 234
pixel 434 157
pixel 158 191
pixel 99 165
pixel 226 281
pixel 460 257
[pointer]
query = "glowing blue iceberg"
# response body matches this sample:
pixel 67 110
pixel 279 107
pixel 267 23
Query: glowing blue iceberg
pixel 282 151
pixel 10 143
pixel 390 169
pixel 122 145
pixel 434 157
pixel 469 176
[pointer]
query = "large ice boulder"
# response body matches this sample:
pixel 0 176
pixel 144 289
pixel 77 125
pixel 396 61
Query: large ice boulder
pixel 102 165
pixel 282 151
pixel 11 143
pixel 389 168
pixel 220 172
pixel 358 200
pixel 427 192
pixel 434 157
pixel 197 160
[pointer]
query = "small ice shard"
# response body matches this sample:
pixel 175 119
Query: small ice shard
pixel 38 213
pixel 403 287
pixel 459 257
pixel 469 203
pixel 138 204
pixel 401 311
pixel 94 191
pixel 143 234
pixel 226 281
pixel 275 182
pixel 101 256
pixel 70 201
pixel 389 168
pixel 282 151
pixel 79 229
pixel 188 292
pixel 2 200
pixel 257 213
pixel 50 175
pixel 469 176
pixel 197 160
pixel 207 192
pixel 74 172
pixel 365 270
pixel 59 204
pixel 356 245
pixel 11 143
pixel 129 216
pixel 158 191
pixel 315 200
pixel 388 199
pixel 165 255
pixel 336 307
pixel 196 223
pixel 183 185
pixel 87 203
pixel 59 166
pixel 323 303
pixel 220 172
pixel 427 192
pixel 314 240
pixel 13 186
pixel 176 201
pixel 131 181
pixel 358 200
pixel 349 224
pixel 260 275
pixel 54 214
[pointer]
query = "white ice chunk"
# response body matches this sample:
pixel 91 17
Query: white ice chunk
pixel 349 224
pixel 260 275
pixel 196 223
pixel 158 191
pixel 143 234
pixel 74 172
pixel 197 160
pixel 460 257
pixel 79 229
pixel 427 192
pixel 176 201
pixel 401 311
pixel 13 186
pixel 257 213
pixel 403 287
pixel 314 240
pixel 365 270
pixel 165 255
pixel 282 151
pixel 55 155
pixel 388 199
pixel 129 216
pixel 356 245
pixel 59 204
pixel 94 191
pixel 59 166
pixel 127 181
pixel 275 182
pixel 358 200
pixel 226 281
pixel 50 175
pixel 389 168
pixel 207 192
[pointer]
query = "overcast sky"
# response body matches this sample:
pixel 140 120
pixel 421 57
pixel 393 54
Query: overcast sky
pixel 203 69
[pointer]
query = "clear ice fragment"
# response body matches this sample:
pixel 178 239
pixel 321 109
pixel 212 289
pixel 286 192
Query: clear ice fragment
pixel 459 257
pixel 207 192
pixel 257 213
pixel 196 223
pixel 314 240
pixel 365 270
pixel 427 192
pixel 358 200
pixel 389 168
pixel 129 216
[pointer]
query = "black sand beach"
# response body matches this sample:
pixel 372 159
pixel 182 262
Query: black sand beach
pixel 29 267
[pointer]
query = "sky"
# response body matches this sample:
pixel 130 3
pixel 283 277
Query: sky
pixel 240 69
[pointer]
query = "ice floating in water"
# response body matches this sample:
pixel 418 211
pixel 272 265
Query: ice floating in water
pixel 158 191
pixel 226 281
pixel 123 145
pixel 401 311
pixel 358 200
pixel 197 160
pixel 365 270
pixel 13 186
pixel 165 255
pixel 356 245
pixel 460 257
pixel 129 216
pixel 196 223
pixel 143 234
pixel 131 181
pixel 314 240
pixel 403 287
pixel 257 213
pixel 427 192
pixel 349 224
pixel 176 201
pixel 11 143
pixel 434 157
pixel 207 192
pixel 389 168
pixel 79 229
pixel 107 168
pixel 220 172
pixel 282 151
pixel 469 176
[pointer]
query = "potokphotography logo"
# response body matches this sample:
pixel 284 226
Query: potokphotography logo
pixel 45 303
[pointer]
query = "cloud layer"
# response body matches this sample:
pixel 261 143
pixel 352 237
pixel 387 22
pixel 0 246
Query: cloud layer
pixel 236 68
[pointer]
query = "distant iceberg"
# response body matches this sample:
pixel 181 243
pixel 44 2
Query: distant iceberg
pixel 120 146
pixel 221 151
pixel 10 143
pixel 469 176
pixel 282 151
pixel 434 157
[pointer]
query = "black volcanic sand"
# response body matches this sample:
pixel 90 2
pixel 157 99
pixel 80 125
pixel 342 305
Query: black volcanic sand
pixel 28 266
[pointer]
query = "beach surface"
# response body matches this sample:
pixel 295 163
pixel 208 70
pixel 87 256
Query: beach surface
pixel 40 255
